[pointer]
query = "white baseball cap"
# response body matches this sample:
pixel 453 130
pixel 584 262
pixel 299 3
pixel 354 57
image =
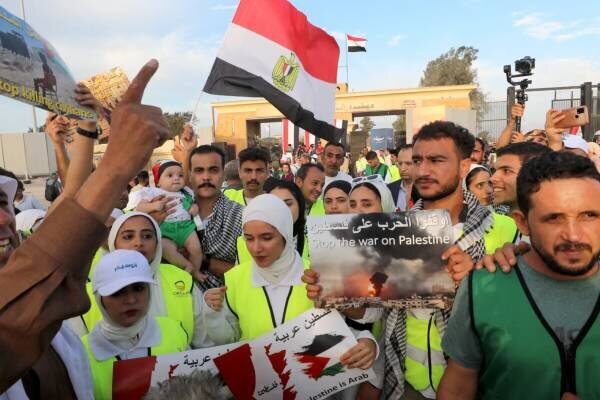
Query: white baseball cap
pixel 576 142
pixel 118 269
pixel 597 133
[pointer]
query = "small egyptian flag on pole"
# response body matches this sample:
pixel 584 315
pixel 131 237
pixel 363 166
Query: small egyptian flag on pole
pixel 356 44
pixel 270 50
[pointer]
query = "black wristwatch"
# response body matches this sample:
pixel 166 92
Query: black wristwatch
pixel 88 134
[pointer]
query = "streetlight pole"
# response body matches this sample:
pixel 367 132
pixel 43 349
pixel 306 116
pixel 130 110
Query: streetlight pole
pixel 35 125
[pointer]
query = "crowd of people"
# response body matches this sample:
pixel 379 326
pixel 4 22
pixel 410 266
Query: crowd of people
pixel 215 252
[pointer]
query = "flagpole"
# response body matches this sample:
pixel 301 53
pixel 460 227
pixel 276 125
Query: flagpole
pixel 347 66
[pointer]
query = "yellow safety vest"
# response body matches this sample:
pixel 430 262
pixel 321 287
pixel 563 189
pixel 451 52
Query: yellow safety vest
pixel 394 173
pixel 418 353
pixel 236 195
pixel 501 232
pixel 252 306
pixel 99 253
pixel 173 339
pixel 317 209
pixel 176 285
pixel 361 164
pixel 244 254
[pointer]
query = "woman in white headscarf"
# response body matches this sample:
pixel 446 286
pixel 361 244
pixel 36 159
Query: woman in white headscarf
pixel 121 287
pixel 267 291
pixel 370 194
pixel 174 296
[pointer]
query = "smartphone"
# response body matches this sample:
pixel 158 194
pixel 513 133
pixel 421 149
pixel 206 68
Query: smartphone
pixel 576 116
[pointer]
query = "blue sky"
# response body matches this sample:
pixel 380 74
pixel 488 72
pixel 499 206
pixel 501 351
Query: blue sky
pixel 93 36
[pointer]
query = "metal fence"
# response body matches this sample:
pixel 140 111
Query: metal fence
pixel 492 120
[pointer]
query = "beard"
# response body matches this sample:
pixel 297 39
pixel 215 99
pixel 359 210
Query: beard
pixel 555 266
pixel 445 191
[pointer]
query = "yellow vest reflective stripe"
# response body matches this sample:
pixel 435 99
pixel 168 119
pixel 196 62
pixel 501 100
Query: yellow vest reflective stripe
pixel 252 305
pixel 173 339
pixel 176 285
pixel 318 208
pixel 501 232
pixel 244 254
pixel 236 195
pixel 417 353
pixel 394 173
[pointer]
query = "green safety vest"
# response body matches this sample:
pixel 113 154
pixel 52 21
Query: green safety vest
pixel 236 195
pixel 501 232
pixel 244 254
pixel 423 342
pixel 394 173
pixel 252 306
pixel 176 285
pixel 382 170
pixel 317 209
pixel 523 358
pixel 173 339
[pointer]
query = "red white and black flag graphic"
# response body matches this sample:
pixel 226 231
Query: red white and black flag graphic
pixel 270 50
pixel 356 43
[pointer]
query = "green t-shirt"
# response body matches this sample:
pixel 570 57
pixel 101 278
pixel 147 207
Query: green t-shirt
pixel 566 306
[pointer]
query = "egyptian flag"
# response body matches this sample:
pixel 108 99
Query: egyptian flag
pixel 356 43
pixel 270 50
pixel 317 365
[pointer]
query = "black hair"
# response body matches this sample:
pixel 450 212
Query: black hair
pixel 303 170
pixel 143 175
pixel 341 184
pixel 405 147
pixel 371 155
pixel 463 140
pixel 483 144
pixel 20 185
pixel 524 150
pixel 550 166
pixel 474 172
pixel 208 149
pixel 394 152
pixel 254 154
pixel 340 145
pixel 369 186
pixel 300 223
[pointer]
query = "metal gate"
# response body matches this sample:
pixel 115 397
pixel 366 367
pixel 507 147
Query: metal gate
pixel 492 121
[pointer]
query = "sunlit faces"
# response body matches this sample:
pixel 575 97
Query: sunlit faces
pixel 312 185
pixel 504 179
pixel 477 153
pixel 128 305
pixel 206 174
pixel 253 174
pixel 137 233
pixel 8 234
pixel 336 201
pixel 289 199
pixel 438 168
pixel 563 224
pixel 171 179
pixel 264 242
pixel 405 164
pixel 332 158
pixel 481 187
pixel 364 199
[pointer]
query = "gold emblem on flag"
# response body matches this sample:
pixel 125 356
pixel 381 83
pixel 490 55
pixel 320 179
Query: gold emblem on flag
pixel 286 72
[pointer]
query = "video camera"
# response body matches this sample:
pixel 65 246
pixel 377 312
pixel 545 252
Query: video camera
pixel 524 67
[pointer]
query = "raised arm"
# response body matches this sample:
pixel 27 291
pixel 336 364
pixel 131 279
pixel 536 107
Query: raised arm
pixel 56 129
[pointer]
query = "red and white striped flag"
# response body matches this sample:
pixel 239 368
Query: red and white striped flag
pixel 270 50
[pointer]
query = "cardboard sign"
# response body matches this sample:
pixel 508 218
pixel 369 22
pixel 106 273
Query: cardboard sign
pixel 390 260
pixel 31 70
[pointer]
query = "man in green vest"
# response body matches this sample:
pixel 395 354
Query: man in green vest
pixel 375 166
pixel 254 171
pixel 541 340
pixel 310 178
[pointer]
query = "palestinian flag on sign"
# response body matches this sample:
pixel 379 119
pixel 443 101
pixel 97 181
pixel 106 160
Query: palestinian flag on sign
pixel 270 50
pixel 356 43
pixel 316 365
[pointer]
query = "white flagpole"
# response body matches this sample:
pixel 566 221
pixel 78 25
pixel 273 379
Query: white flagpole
pixel 347 65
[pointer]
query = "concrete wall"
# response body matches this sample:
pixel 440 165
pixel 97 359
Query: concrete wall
pixel 31 153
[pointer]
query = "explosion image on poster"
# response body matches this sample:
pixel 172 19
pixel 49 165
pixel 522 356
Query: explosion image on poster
pixel 382 259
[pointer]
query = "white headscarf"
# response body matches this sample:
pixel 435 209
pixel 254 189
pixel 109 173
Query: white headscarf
pixel 9 186
pixel 272 210
pixel 387 200
pixel 471 168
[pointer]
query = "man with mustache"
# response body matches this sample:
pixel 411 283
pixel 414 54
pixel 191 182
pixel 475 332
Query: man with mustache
pixel 254 171
pixel 541 340
pixel 221 217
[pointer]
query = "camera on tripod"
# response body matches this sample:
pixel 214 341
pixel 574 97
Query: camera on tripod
pixel 524 67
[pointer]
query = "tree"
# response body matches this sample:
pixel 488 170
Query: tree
pixel 366 124
pixel 455 67
pixel 177 120
pixel 399 125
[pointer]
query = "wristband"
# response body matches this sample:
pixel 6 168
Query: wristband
pixel 88 134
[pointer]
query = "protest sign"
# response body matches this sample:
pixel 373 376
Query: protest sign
pixel 298 360
pixel 379 259
pixel 31 70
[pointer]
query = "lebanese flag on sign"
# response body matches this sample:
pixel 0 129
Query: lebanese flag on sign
pixel 356 43
pixel 270 50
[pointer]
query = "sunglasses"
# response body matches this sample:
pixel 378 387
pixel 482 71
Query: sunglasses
pixel 370 178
